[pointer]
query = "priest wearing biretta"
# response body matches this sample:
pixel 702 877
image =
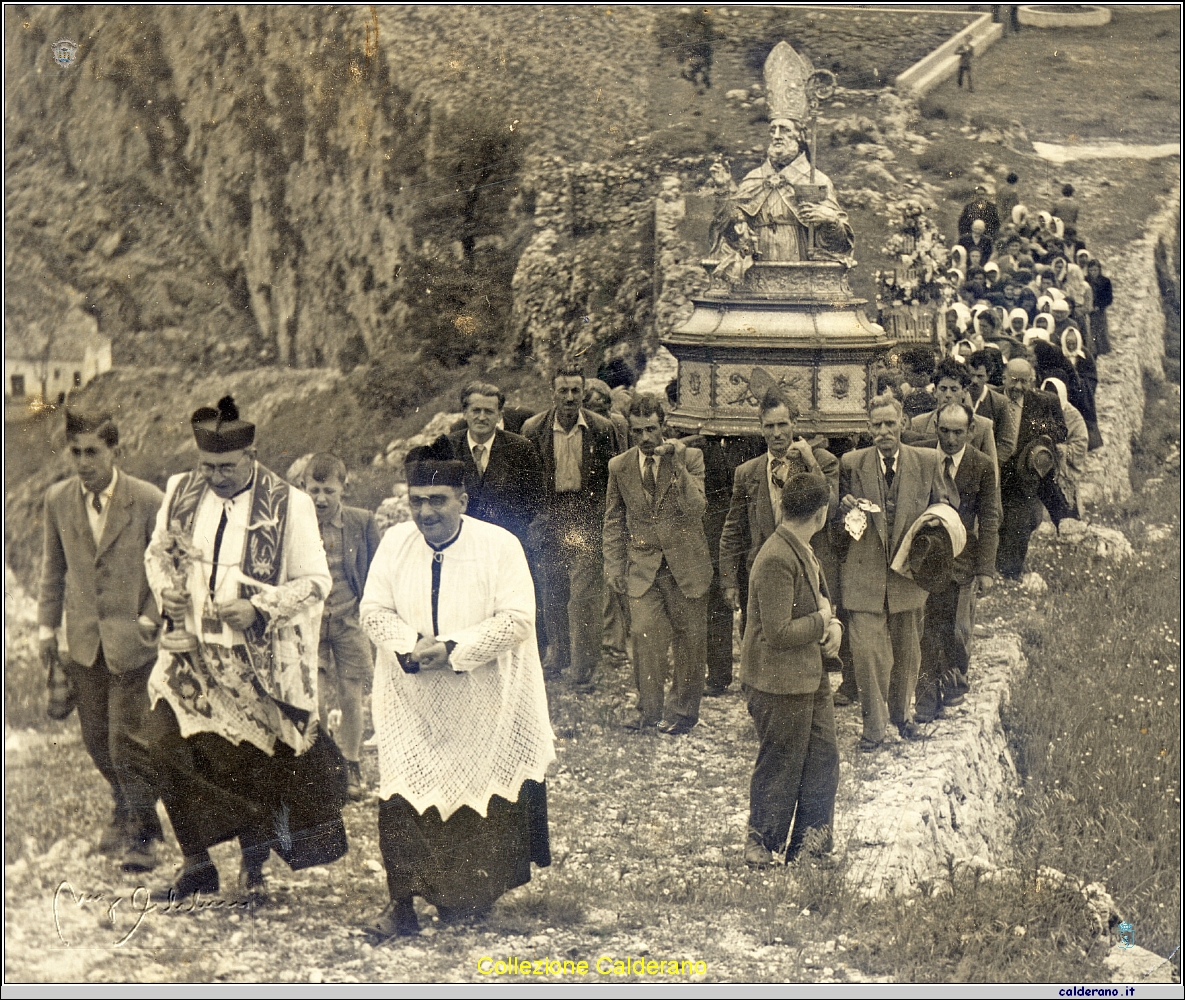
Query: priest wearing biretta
pixel 459 705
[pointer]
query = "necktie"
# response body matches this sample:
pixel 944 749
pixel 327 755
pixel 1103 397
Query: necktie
pixel 96 503
pixel 949 468
pixel 778 472
pixel 888 472
pixel 478 451
pixel 648 477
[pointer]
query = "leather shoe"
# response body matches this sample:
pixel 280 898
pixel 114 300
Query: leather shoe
pixel 396 920
pixel 354 780
pixel 640 725
pixel 114 838
pixel 680 727
pixel 757 855
pixel 911 731
pixel 715 690
pixel 201 878
pixel 869 746
pixel 840 700
pixel 139 857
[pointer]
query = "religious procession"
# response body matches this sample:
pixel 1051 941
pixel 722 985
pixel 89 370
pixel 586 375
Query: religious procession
pixel 803 515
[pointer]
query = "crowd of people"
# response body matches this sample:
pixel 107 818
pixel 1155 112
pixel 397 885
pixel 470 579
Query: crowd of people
pixel 198 631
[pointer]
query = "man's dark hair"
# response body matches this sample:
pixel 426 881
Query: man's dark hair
pixel 950 368
pixel 324 466
pixel 1012 178
pixel 568 370
pixel 1067 190
pixel 483 389
pixel 672 391
pixel 981 359
pixel 962 407
pixel 804 494
pixel 773 398
pixel 99 424
pixel 919 358
pixel 648 404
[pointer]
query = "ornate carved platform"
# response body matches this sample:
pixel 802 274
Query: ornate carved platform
pixel 790 324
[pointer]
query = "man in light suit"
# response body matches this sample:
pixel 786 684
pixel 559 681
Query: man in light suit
pixel 97 526
pixel 950 612
pixel 884 608
pixel 574 446
pixel 657 553
pixel 755 510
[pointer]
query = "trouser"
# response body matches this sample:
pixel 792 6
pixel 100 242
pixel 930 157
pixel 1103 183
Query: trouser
pixel 1022 495
pixel 965 70
pixel 662 616
pixel 617 622
pixel 111 711
pixel 719 641
pixel 848 685
pixel 344 654
pixel 944 652
pixel 797 769
pixel 886 653
pixel 573 593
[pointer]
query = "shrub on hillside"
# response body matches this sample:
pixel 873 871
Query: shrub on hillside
pixel 947 158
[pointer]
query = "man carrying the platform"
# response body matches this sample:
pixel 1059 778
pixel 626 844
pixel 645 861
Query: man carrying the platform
pixel 233 746
pixel 460 709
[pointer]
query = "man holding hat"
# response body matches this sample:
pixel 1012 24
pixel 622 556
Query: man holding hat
pixel 460 708
pixel 97 525
pixel 238 567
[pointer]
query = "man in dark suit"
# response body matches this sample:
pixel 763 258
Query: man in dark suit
pixel 791 627
pixel 1027 480
pixel 97 525
pixel 987 402
pixel 574 446
pixel 657 554
pixel 502 474
pixel 755 509
pixel 950 612
pixel 884 608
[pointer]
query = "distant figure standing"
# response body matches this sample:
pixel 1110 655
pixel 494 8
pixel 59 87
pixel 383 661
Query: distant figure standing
pixel 1103 296
pixel 965 52
pixel 981 207
pixel 1067 208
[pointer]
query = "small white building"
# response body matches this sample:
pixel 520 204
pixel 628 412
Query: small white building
pixel 42 365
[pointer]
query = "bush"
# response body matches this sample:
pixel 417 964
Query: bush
pixel 947 158
pixel 932 109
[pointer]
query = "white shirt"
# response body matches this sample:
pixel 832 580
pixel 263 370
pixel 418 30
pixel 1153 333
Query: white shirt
pixel 775 491
pixel 485 455
pixel 569 449
pixel 97 520
pixel 896 461
pixel 956 460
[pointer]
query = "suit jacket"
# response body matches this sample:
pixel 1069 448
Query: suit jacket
pixel 979 510
pixel 750 520
pixel 923 432
pixel 103 588
pixel 600 445
pixel 360 537
pixel 994 406
pixel 1041 413
pixel 639 534
pixel 781 653
pixel 510 492
pixel 867 581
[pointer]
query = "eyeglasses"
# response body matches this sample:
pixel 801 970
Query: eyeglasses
pixel 437 501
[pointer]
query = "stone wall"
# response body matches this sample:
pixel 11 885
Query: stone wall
pixel 1136 325
pixel 952 796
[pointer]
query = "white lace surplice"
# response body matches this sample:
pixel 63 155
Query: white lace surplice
pixel 454 737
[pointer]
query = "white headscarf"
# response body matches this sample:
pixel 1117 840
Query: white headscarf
pixel 1058 386
pixel 1020 314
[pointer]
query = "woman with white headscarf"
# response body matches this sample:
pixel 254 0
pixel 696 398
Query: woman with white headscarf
pixel 1081 365
pixel 1071 455
pixel 1078 291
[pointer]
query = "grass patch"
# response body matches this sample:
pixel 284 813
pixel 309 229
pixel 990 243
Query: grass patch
pixel 1095 723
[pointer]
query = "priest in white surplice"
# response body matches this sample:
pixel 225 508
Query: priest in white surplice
pixel 459 705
